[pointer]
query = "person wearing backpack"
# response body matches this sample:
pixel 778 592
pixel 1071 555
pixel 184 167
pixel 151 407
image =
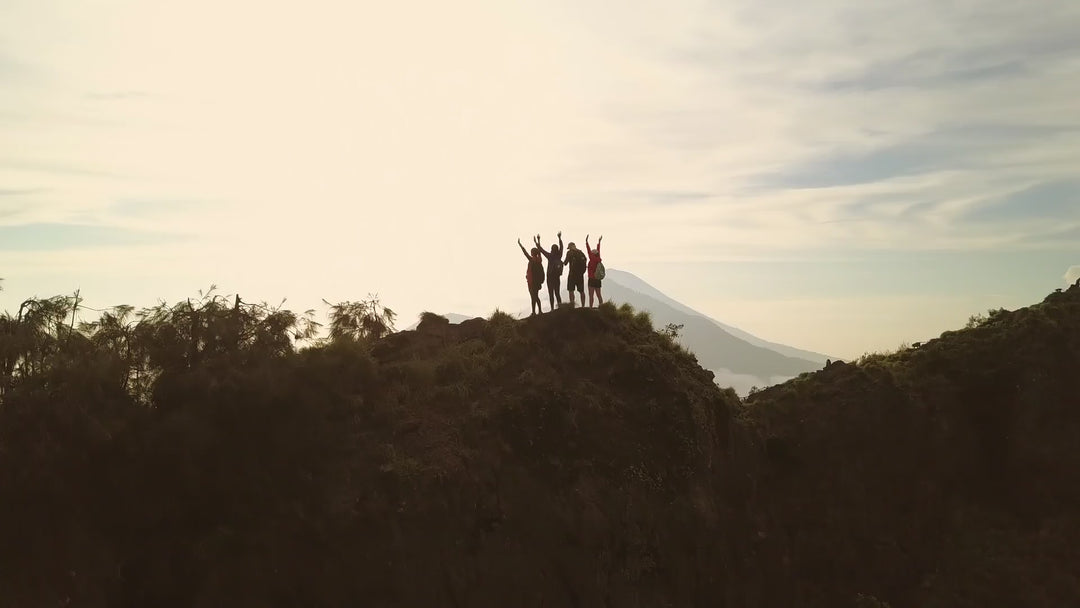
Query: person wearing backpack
pixel 534 277
pixel 575 279
pixel 596 270
pixel 554 270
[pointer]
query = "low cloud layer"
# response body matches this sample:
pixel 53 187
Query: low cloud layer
pixel 1072 274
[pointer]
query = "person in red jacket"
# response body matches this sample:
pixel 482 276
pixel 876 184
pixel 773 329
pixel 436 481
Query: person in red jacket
pixel 594 260
pixel 534 277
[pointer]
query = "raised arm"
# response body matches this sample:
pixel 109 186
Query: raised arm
pixel 562 249
pixel 541 248
pixel 523 252
pixel 598 241
pixel 587 248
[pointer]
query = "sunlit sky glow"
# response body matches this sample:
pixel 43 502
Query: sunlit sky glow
pixel 840 176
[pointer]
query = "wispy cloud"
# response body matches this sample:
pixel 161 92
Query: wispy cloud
pixel 847 123
pixel 17 202
pixel 4 192
pixel 8 212
pixel 1072 274
pixel 1055 200
pixel 908 72
pixel 116 95
pixel 958 148
pixel 1017 49
pixel 151 207
pixel 80 168
pixel 13 69
pixel 52 237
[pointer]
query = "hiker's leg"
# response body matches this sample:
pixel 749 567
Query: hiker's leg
pixel 551 295
pixel 599 296
pixel 558 292
pixel 592 290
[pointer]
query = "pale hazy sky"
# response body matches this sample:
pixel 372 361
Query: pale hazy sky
pixel 836 175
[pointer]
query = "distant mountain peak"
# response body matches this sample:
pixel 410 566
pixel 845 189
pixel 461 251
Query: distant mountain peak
pixel 737 358
pixel 637 284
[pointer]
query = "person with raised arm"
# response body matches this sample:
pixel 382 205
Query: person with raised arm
pixel 596 270
pixel 554 270
pixel 575 279
pixel 534 277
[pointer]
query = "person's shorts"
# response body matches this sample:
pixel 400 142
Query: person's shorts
pixel 594 283
pixel 575 282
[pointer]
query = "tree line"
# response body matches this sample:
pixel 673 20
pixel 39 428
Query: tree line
pixel 45 333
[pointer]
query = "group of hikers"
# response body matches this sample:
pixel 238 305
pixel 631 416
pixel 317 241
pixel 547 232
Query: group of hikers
pixel 575 278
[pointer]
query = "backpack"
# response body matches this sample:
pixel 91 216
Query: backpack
pixel 600 272
pixel 536 272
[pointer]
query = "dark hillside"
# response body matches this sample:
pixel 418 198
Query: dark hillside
pixel 193 457
pixel 547 470
pixel 568 459
pixel 947 475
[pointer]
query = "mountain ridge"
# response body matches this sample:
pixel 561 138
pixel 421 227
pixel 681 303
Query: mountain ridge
pixel 635 283
pixel 734 361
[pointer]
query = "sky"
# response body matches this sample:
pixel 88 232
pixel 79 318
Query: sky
pixel 839 176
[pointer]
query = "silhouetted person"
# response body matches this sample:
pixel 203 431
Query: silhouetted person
pixel 554 270
pixel 534 277
pixel 575 259
pixel 594 262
